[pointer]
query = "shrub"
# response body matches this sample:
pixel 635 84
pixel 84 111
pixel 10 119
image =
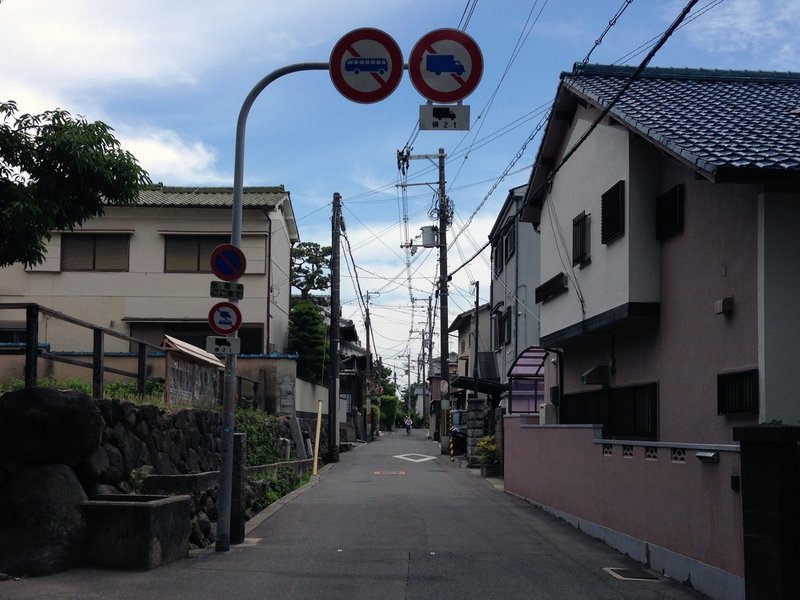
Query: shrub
pixel 488 451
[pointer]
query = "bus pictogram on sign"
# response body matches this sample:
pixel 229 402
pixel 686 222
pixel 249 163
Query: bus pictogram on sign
pixel 366 65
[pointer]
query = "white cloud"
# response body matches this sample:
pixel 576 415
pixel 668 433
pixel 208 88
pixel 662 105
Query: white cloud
pixel 171 159
pixel 764 31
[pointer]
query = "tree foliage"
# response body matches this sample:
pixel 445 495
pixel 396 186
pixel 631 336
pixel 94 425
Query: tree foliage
pixel 311 266
pixel 308 338
pixel 57 171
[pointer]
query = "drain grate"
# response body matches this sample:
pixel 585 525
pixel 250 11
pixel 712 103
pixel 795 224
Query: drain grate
pixel 631 574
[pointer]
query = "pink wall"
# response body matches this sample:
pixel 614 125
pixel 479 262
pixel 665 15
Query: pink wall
pixel 688 508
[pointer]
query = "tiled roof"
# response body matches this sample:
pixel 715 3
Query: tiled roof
pixel 198 197
pixel 719 121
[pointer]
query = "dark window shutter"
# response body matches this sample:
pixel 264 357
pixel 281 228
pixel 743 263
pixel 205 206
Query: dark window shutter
pixel 551 288
pixel 111 252
pixel 669 213
pixel 737 393
pixel 612 214
pixel 77 252
pixel 580 239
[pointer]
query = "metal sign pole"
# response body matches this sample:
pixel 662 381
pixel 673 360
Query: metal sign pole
pixel 223 542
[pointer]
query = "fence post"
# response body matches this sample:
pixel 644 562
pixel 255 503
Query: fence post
pixel 141 370
pixel 237 489
pixel 98 368
pixel 31 344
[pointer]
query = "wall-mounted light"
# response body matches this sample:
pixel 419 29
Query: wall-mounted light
pixel 707 456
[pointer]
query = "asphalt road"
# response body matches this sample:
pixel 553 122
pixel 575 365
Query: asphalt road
pixel 376 526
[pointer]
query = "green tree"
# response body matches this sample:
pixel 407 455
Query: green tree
pixel 311 266
pixel 308 338
pixel 57 171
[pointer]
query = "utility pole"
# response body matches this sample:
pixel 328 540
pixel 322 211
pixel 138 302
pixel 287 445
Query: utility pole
pixel 333 387
pixel 408 394
pixel 445 346
pixel 368 379
pixel 426 410
pixel 444 219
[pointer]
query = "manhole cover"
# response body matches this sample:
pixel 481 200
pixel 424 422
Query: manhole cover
pixel 631 574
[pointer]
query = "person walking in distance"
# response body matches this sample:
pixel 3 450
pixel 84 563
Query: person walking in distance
pixel 408 422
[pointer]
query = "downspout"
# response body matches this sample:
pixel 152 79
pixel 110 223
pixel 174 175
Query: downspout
pixel 268 329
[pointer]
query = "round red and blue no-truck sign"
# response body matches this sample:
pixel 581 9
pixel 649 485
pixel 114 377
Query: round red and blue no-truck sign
pixel 366 65
pixel 228 262
pixel 445 65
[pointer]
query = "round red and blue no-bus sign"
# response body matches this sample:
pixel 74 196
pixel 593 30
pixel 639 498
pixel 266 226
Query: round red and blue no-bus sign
pixel 445 65
pixel 366 65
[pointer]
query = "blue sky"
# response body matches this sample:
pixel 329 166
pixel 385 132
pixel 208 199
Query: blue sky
pixel 170 78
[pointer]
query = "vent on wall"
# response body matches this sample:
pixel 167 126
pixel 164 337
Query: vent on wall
pixel 551 288
pixel 737 393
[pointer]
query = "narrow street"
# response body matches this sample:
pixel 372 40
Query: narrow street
pixel 392 520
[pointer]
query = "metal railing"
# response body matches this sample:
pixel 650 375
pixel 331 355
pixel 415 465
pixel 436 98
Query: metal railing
pixel 34 351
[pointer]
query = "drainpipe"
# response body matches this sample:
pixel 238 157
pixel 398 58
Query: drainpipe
pixel 267 327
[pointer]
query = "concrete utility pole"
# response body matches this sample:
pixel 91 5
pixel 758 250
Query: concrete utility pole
pixel 367 378
pixel 333 387
pixel 442 243
pixel 445 346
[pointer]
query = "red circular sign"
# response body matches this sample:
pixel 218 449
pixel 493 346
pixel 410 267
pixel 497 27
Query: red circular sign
pixel 225 318
pixel 445 65
pixel 366 65
pixel 228 262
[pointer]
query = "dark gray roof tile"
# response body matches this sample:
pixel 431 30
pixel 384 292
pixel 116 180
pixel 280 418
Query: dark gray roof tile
pixel 713 119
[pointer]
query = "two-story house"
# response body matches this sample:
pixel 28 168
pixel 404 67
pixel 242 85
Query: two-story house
pixel 144 271
pixel 667 212
pixel 515 313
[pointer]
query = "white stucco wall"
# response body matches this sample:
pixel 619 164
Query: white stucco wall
pixel 626 270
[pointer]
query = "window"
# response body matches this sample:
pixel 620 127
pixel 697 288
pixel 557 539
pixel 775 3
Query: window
pixel 94 252
pixel 612 214
pixel 669 213
pixel 580 240
pixel 500 329
pixel 497 254
pixel 737 393
pixel 625 413
pixel 507 326
pixel 190 253
pixel 509 243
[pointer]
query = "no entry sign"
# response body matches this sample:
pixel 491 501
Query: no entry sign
pixel 366 65
pixel 228 262
pixel 445 65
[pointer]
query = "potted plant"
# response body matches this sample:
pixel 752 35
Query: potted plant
pixel 489 455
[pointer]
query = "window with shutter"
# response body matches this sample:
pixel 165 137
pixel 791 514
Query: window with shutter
pixel 94 252
pixel 669 213
pixel 737 393
pixel 612 213
pixel 190 253
pixel 580 240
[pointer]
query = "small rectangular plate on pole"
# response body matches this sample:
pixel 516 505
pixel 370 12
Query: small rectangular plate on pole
pixel 227 290
pixel 223 345
pixel 444 117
